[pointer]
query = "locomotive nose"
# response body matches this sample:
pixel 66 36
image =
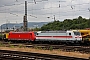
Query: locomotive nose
pixel 78 37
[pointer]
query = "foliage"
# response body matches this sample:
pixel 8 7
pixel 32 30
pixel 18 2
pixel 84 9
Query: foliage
pixel 51 48
pixel 67 24
pixel 1 36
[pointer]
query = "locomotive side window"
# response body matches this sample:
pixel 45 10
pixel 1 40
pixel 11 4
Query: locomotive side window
pixel 69 33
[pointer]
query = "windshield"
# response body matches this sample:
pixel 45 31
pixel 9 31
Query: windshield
pixel 35 33
pixel 77 33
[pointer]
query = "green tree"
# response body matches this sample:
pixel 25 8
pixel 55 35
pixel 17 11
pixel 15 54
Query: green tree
pixel 67 24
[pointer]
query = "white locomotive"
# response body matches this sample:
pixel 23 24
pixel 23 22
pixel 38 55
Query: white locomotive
pixel 64 36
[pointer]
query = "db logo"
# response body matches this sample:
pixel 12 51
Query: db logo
pixel 19 35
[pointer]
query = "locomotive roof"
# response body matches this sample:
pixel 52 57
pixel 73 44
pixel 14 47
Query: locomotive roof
pixel 20 32
pixel 52 31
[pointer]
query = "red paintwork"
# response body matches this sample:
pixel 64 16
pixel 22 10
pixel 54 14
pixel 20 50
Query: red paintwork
pixel 21 36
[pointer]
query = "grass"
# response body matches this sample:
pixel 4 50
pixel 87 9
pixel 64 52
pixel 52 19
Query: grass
pixel 9 42
pixel 11 46
pixel 44 48
pixel 2 45
pixel 51 48
pixel 20 46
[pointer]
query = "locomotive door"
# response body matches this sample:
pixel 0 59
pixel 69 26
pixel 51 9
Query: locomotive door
pixel 30 36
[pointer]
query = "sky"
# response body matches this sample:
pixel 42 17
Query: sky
pixel 12 11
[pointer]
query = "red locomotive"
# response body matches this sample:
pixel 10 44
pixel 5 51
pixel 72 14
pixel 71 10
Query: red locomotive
pixel 26 36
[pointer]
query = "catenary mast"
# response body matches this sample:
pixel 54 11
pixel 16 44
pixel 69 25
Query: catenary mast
pixel 25 18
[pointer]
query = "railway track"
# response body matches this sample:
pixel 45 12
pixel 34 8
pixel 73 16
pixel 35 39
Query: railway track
pixel 17 55
pixel 81 49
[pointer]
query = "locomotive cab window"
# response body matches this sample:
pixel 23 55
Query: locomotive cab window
pixel 35 33
pixel 77 33
pixel 69 33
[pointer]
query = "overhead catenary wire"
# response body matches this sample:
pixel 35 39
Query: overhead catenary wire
pixel 40 9
pixel 46 9
pixel 50 7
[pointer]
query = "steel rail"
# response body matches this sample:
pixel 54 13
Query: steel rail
pixel 15 55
